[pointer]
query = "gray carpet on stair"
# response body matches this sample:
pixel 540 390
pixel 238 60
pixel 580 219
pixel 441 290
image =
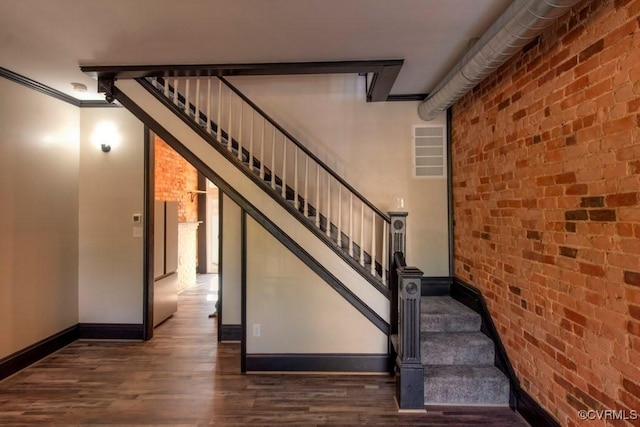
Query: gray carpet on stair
pixel 457 357
pixel 444 314
pixel 456 348
pixel 465 385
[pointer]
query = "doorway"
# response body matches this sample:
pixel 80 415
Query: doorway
pixel 170 179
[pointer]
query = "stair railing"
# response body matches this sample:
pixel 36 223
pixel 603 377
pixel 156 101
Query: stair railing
pixel 337 209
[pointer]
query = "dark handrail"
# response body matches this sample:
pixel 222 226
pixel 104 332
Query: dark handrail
pixel 306 150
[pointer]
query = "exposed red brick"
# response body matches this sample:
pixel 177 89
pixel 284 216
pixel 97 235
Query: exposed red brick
pixel 602 215
pixel 632 278
pixel 625 199
pixel 568 252
pixel 575 317
pixel 573 150
pixel 566 178
pixel 631 387
pixel 592 202
pixel 591 269
pixel 174 177
pixel 576 215
pixel 592 50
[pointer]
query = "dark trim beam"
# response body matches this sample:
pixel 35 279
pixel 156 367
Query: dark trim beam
pixel 382 82
pixel 317 362
pixel 32 84
pixel 111 331
pixel 385 72
pixel 230 333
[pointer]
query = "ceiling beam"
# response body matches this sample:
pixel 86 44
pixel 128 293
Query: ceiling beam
pixel 385 71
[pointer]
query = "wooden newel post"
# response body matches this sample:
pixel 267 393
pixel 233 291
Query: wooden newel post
pixel 397 243
pixel 410 384
pixel 398 233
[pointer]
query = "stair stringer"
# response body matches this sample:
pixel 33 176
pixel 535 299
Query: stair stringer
pixel 262 206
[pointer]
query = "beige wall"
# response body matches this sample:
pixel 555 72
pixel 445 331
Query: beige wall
pixel 296 310
pixel 368 144
pixel 39 216
pixel 111 191
pixel 231 267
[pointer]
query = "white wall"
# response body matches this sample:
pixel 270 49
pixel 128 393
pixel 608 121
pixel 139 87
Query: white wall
pixel 296 310
pixel 111 191
pixel 368 144
pixel 231 266
pixel 39 155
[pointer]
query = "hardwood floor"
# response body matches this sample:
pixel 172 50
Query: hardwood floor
pixel 183 377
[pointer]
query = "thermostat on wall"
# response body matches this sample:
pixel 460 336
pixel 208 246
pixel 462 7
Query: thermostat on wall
pixel 137 218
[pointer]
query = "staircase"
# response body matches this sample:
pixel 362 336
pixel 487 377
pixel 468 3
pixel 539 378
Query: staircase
pixel 285 166
pixel 276 180
pixel 458 359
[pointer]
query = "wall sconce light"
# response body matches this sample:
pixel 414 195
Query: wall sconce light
pixel 105 136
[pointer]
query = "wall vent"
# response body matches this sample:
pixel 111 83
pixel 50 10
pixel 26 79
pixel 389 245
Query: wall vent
pixel 429 152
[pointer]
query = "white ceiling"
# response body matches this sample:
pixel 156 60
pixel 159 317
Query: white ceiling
pixel 47 40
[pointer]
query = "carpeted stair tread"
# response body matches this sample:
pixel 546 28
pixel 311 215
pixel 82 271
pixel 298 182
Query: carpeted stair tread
pixel 465 385
pixel 444 314
pixel 456 348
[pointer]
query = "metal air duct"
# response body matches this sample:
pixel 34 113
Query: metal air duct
pixel 518 25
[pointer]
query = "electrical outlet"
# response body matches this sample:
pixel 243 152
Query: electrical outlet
pixel 256 330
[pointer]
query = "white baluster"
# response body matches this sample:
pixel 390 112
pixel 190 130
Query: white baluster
pixel 295 177
pixel 328 230
pixel 251 143
pixel 273 159
pixel 229 138
pixel 385 255
pixel 284 167
pixel 209 105
pixel 306 186
pixel 240 130
pixel 264 123
pixel 219 123
pixel 351 242
pixel 166 86
pixel 339 215
pixel 317 195
pixel 175 91
pixel 186 97
pixel 197 101
pixel 362 235
pixel 373 243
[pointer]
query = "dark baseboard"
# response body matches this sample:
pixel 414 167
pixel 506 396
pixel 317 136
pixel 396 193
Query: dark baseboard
pixel 25 357
pixel 533 412
pixel 230 332
pixel 318 362
pixel 111 331
pixel 435 286
pixel 519 400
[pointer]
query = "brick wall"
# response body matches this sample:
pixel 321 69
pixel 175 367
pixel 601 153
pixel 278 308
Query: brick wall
pixel 174 176
pixel 546 169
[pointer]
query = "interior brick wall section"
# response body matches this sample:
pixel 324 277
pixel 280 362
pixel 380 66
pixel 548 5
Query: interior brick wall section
pixel 546 163
pixel 174 178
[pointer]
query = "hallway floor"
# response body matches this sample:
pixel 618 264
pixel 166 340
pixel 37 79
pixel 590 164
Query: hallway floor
pixel 183 377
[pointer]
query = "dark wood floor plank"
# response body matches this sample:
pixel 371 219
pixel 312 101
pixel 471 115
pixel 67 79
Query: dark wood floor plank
pixel 183 377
